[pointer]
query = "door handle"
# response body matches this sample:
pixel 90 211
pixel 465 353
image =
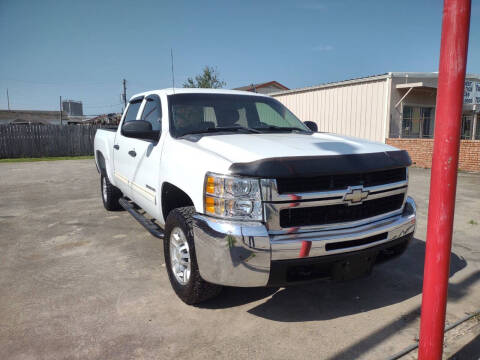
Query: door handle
pixel 116 147
pixel 132 153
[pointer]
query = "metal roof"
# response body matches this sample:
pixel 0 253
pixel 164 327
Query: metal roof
pixel 367 79
pixel 333 84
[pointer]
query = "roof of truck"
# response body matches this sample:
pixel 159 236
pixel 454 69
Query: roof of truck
pixel 172 91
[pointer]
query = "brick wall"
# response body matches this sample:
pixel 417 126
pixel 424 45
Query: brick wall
pixel 420 151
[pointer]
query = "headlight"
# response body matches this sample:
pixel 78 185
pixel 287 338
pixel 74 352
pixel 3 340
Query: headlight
pixel 232 197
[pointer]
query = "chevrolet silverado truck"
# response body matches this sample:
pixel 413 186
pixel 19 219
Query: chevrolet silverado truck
pixel 245 194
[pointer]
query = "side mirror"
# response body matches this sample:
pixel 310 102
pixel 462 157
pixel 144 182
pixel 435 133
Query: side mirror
pixel 311 125
pixel 140 129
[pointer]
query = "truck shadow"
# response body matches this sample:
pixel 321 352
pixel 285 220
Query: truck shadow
pixel 391 282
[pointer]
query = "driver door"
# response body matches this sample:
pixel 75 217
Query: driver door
pixel 145 182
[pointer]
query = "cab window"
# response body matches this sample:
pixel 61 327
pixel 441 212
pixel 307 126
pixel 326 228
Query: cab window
pixel 152 112
pixel 132 111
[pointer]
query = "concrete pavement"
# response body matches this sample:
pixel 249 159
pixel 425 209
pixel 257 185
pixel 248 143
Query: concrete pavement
pixel 79 282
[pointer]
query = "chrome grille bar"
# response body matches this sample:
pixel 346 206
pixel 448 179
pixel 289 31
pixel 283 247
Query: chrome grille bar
pixel 274 203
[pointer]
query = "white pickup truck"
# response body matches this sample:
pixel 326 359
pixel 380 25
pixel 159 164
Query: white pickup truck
pixel 245 194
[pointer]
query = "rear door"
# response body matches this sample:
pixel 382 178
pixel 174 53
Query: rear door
pixel 125 150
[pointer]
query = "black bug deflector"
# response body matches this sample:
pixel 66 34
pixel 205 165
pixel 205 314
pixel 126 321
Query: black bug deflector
pixel 309 166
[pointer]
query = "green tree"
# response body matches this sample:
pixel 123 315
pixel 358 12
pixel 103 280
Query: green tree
pixel 208 79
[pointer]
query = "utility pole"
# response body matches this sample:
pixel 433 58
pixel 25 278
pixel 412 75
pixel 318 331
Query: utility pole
pixel 124 95
pixel 61 117
pixel 8 100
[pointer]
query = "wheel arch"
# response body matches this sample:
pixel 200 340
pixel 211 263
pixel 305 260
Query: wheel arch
pixel 101 165
pixel 173 197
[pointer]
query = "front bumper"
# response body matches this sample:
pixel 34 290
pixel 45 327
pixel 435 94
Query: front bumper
pixel 243 253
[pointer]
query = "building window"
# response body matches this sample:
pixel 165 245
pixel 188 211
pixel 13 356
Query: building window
pixel 477 130
pixel 417 122
pixel 467 124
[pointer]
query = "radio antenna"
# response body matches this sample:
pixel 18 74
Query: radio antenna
pixel 173 74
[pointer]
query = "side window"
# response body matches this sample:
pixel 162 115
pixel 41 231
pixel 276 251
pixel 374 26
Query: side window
pixel 132 111
pixel 152 112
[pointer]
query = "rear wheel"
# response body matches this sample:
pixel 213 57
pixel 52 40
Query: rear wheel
pixel 110 194
pixel 181 261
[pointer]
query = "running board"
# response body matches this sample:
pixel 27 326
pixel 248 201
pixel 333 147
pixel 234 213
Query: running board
pixel 148 224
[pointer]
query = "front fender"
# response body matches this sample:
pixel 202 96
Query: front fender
pixel 185 165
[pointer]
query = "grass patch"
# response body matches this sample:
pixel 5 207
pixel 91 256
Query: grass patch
pixel 473 222
pixel 45 159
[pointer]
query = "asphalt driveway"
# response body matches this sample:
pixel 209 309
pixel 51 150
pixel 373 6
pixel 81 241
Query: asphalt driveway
pixel 79 282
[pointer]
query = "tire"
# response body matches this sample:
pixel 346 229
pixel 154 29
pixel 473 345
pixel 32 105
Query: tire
pixel 193 289
pixel 110 194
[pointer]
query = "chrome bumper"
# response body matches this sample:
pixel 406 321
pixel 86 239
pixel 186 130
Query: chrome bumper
pixel 240 253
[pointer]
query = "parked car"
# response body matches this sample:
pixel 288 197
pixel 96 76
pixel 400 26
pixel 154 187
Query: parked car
pixel 245 194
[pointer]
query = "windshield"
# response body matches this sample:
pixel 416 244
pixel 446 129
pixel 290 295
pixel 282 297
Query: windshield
pixel 203 113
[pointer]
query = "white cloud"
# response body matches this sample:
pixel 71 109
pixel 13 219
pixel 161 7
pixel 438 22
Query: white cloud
pixel 323 48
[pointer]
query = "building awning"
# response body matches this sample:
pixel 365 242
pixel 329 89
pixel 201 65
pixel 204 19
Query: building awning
pixel 415 85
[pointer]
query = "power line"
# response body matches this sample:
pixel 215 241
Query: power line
pixel 99 106
pixel 84 104
pixel 56 83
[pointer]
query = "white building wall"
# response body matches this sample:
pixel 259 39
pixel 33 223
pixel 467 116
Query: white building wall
pixel 354 108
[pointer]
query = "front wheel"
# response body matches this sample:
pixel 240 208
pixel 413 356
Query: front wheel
pixel 181 261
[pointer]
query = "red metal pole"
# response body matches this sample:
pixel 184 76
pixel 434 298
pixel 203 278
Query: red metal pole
pixel 451 83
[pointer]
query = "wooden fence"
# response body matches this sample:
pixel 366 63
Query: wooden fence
pixel 46 140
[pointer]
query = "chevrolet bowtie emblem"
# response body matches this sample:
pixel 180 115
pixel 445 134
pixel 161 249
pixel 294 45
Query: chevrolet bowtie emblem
pixel 355 195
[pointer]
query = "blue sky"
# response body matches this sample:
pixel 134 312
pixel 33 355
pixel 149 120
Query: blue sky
pixel 83 49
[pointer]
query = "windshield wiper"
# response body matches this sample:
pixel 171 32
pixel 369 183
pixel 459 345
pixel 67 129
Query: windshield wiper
pixel 224 128
pixel 282 128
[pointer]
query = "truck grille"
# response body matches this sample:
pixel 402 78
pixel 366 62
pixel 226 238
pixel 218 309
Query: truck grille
pixel 343 181
pixel 339 213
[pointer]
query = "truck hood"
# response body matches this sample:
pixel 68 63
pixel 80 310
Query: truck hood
pixel 252 147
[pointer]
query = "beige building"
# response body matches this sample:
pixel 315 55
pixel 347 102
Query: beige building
pixel 397 108
pixel 393 105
